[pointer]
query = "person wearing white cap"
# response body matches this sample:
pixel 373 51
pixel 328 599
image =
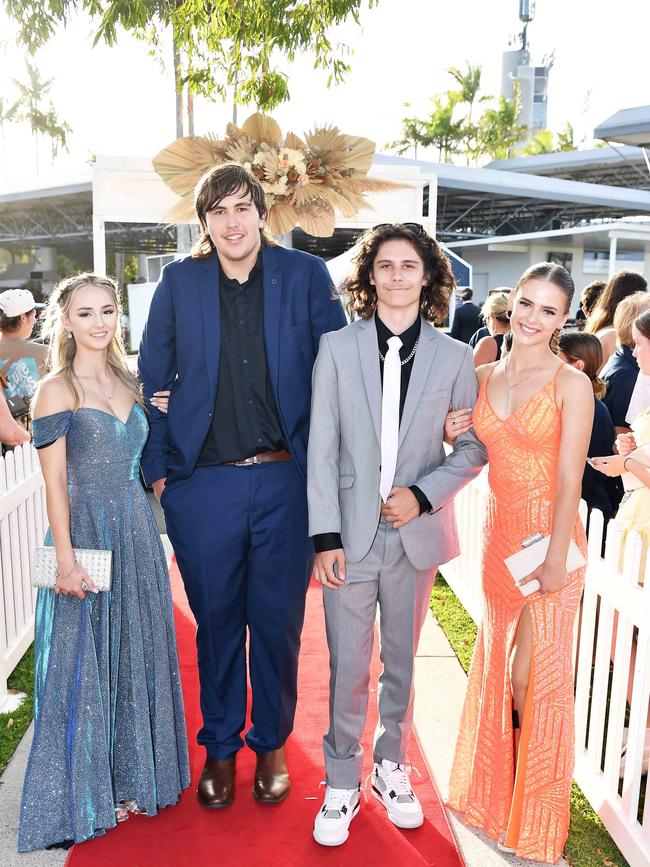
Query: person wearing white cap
pixel 22 361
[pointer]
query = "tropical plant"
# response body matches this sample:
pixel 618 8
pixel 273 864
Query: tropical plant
pixel 540 143
pixel 470 84
pixel 566 138
pixel 42 120
pixel 498 130
pixel 445 128
pixel 414 135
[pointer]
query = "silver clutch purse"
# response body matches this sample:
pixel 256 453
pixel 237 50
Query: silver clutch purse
pixel 98 565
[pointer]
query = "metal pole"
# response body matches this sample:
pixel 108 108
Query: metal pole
pixel 99 245
pixel 612 255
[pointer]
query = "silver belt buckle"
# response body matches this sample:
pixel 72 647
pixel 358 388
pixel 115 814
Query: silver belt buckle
pixel 247 462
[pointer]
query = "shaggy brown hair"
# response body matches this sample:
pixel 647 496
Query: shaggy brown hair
pixel 434 299
pixel 216 185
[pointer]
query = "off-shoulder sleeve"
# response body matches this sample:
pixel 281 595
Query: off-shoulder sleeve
pixel 49 428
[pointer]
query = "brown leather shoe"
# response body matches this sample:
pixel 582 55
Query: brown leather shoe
pixel 272 782
pixel 217 783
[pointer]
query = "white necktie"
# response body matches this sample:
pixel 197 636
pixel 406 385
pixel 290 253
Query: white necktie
pixel 390 416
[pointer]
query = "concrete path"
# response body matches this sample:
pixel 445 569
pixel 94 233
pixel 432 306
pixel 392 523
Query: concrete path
pixel 12 784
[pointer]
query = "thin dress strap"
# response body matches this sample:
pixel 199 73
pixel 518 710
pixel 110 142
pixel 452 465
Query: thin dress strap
pixel 49 428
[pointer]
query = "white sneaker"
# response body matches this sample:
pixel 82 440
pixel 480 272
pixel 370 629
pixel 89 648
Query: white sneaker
pixel 391 786
pixel 332 823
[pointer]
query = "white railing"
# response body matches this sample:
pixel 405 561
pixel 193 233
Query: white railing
pixel 614 625
pixel 23 521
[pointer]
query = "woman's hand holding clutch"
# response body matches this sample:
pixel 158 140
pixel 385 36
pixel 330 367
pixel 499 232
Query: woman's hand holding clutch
pixel 76 583
pixel 552 576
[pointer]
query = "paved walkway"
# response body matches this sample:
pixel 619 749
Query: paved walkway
pixel 440 688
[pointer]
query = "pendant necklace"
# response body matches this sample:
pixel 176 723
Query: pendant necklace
pixel 514 384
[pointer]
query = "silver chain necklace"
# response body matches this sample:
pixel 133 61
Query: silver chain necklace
pixel 408 357
pixel 514 384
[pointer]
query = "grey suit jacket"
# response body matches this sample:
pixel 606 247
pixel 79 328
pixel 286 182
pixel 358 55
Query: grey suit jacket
pixel 343 459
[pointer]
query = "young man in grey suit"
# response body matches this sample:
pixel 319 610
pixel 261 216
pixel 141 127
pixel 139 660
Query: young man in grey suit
pixel 380 492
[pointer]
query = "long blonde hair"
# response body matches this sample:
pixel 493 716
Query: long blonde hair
pixel 62 345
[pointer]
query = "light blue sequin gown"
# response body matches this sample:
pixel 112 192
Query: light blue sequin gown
pixel 109 720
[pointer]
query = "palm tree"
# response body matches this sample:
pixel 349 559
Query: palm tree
pixel 498 130
pixel 43 121
pixel 442 129
pixel 8 114
pixel 469 83
pixel 414 134
pixel 31 96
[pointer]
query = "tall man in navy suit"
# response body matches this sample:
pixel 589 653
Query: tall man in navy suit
pixel 233 331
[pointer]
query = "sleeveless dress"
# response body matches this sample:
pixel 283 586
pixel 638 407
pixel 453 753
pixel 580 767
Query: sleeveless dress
pixel 634 511
pixel 531 807
pixel 109 719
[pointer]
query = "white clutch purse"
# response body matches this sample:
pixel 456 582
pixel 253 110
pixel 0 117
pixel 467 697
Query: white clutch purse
pixel 98 565
pixel 532 555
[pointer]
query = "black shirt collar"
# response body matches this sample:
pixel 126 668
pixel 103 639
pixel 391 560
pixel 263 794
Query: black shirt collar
pixel 407 337
pixel 256 270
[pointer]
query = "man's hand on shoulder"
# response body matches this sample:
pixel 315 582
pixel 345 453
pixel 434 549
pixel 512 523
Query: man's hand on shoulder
pixel 329 568
pixel 400 507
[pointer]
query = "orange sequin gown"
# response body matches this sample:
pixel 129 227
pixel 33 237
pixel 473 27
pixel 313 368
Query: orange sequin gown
pixel 532 807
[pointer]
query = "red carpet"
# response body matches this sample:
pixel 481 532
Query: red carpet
pixel 249 833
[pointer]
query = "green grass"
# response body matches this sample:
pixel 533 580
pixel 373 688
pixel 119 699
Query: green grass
pixel 14 725
pixel 589 844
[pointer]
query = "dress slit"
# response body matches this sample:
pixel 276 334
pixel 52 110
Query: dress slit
pixel 521 767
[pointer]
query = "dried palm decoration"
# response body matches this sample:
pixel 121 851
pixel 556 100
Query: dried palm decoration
pixel 305 182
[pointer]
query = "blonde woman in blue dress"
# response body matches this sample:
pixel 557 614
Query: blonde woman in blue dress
pixel 109 733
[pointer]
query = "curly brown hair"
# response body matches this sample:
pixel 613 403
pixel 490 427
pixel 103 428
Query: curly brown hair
pixel 434 299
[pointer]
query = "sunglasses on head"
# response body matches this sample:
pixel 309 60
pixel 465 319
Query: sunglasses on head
pixel 412 227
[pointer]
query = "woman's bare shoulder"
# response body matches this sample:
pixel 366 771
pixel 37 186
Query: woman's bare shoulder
pixel 572 383
pixel 53 396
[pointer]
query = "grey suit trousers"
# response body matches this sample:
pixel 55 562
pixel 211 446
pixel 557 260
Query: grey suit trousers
pixel 385 577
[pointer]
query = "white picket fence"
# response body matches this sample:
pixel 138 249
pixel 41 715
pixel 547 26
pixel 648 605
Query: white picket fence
pixel 614 625
pixel 23 522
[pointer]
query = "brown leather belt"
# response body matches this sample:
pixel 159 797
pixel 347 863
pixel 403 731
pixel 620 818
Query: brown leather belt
pixel 262 458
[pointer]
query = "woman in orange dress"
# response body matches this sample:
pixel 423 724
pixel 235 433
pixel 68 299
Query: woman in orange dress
pixel 514 758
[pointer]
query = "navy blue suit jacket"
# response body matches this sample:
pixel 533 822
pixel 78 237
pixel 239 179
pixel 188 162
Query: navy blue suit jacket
pixel 181 344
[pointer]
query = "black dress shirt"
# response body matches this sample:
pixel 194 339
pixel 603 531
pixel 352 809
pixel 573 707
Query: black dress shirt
pixel 332 541
pixel 620 373
pixel 245 420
